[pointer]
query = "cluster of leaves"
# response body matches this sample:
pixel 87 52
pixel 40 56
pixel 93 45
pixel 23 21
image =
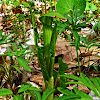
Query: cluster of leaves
pixel 71 10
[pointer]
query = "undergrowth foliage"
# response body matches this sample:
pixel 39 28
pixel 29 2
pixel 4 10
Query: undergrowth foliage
pixel 70 14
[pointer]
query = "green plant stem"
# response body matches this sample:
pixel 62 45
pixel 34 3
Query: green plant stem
pixel 51 86
pixel 78 62
pixel 33 24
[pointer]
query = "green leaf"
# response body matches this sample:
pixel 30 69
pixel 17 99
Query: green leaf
pixel 35 94
pixel 14 47
pixel 92 41
pixel 65 91
pixel 84 39
pixel 21 52
pixel 69 18
pixel 9 54
pixel 9 50
pixel 16 3
pixel 23 88
pixel 68 97
pixel 77 39
pixel 52 50
pixel 34 88
pixel 64 6
pixel 0 34
pixel 17 68
pixel 5 92
pixel 23 64
pixel 25 4
pixel 61 26
pixel 69 37
pixel 82 25
pixel 98 45
pixel 62 68
pixel 71 76
pixel 47 34
pixel 96 67
pixel 47 93
pixel 98 25
pixel 43 64
pixel 20 97
pixel 91 6
pixel 82 94
pixel 86 81
pixel 53 14
pixel 96 82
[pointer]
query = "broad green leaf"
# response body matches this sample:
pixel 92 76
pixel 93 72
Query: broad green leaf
pixel 98 25
pixel 90 6
pixel 25 4
pixel 47 93
pixel 64 6
pixel 23 64
pixel 53 14
pixel 23 88
pixel 20 97
pixel 62 68
pixel 16 3
pixel 65 91
pixel 5 92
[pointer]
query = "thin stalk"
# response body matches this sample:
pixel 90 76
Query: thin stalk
pixel 51 86
pixel 78 62
pixel 33 24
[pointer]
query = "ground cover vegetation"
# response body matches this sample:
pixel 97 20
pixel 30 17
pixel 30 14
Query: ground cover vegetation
pixel 31 67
